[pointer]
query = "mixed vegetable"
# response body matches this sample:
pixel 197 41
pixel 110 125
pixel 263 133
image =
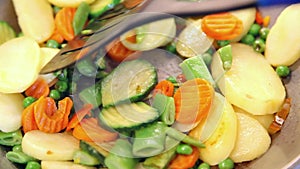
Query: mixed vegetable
pixel 175 93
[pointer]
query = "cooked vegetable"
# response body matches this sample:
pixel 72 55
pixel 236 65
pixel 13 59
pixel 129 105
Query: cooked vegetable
pixel 19 64
pixel 131 3
pixel 89 130
pixel 51 43
pixel 69 3
pixel 55 94
pixel 254 29
pixel 184 161
pixel 128 116
pixel 121 156
pixel 192 41
pixel 84 158
pixel 44 146
pixel 38 89
pixel 161 160
pixel 61 86
pixel 226 56
pixel 248 39
pixel 56 36
pixel 164 87
pixel 28 101
pixel 252 139
pixel 149 140
pixel 265 96
pixel 226 164
pixel 79 115
pixel 92 95
pixel 36 20
pixel 166 107
pixel 204 166
pixel 6 31
pixel 11 138
pixel 282 71
pixel 184 149
pixel 93 149
pixel 118 52
pixel 63 22
pixel 63 165
pixel 264 32
pixel 259 45
pixel 280 35
pixel 46 54
pixel 130 81
pixel 98 7
pixel 18 157
pixel 80 17
pixel 10 111
pixel 33 165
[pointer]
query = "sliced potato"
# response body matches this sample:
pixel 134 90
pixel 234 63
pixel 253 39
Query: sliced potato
pixel 285 31
pixel 46 55
pixel 251 83
pixel 69 3
pixel 63 165
pixel 220 144
pixel 49 146
pixel 247 16
pixel 192 41
pixel 10 111
pixel 19 64
pixel 252 140
pixel 35 19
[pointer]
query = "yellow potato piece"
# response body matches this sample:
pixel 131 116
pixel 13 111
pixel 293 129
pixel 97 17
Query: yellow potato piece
pixel 251 83
pixel 63 165
pixel 252 140
pixel 19 64
pixel 49 146
pixel 11 107
pixel 47 54
pixel 69 3
pixel 35 18
pixel 220 144
pixel 282 44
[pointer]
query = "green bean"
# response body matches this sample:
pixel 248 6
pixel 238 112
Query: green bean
pixel 80 17
pixel 166 107
pixel 19 157
pixel 11 138
pixel 183 137
pixel 33 165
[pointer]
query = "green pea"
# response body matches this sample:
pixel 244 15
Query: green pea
pixel 17 148
pixel 248 39
pixel 263 33
pixel 61 85
pixel 204 166
pixel 171 47
pixel 184 149
pixel 222 43
pixel 207 58
pixel 282 71
pixel 63 75
pixel 33 165
pixel 54 94
pixel 172 79
pixel 52 44
pixel 28 101
pixel 226 164
pixel 254 29
pixel 259 45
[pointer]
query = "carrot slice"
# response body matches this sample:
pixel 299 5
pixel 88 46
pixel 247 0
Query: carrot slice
pixel 164 87
pixel 38 89
pixel 63 22
pixel 50 119
pixel 28 120
pixel 222 26
pixel 131 3
pixel 258 17
pixel 193 101
pixel 57 37
pixel 78 116
pixel 185 161
pixel 89 130
pixel 117 51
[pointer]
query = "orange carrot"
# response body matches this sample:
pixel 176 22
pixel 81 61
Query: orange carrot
pixel 131 3
pixel 164 87
pixel 78 116
pixel 63 22
pixel 258 17
pixel 117 51
pixel 185 161
pixel 57 36
pixel 266 21
pixel 193 100
pixel 48 118
pixel 28 120
pixel 38 88
pixel 222 26
pixel 89 130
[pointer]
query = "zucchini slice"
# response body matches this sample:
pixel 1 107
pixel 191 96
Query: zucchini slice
pixel 128 116
pixel 100 6
pixel 131 81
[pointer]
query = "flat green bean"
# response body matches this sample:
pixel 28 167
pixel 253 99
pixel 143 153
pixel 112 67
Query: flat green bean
pixel 11 138
pixel 184 138
pixel 19 157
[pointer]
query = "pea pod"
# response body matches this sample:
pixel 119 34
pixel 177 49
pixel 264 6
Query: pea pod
pixel 11 138
pixel 19 157
pixel 80 17
pixel 166 107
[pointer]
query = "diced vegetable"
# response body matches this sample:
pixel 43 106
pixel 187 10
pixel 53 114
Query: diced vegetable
pixel 118 52
pixel 38 89
pixel 100 6
pixel 6 31
pixel 164 87
pixel 130 81
pixel 36 20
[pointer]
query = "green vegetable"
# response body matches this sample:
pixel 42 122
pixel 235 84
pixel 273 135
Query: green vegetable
pixel 195 67
pixel 226 56
pixel 207 58
pixel 226 164
pixel 282 71
pixel 63 75
pixel 222 43
pixel 17 148
pixel 86 67
pixel 101 63
pixel 184 149
pixel 52 44
pixel 100 6
pixel 11 138
pixel 61 85
pixel 121 156
pixel 263 33
pixel 28 101
pixel 166 107
pixel 6 31
pixel 19 157
pixel 94 150
pixel 92 95
pixel 131 81
pixel 172 79
pixel 128 116
pixel 203 166
pixel 149 140
pixel 33 165
pixel 248 39
pixel 161 160
pixel 55 94
pixel 259 45
pixel 80 17
pixel 171 47
pixel 84 158
pixel 254 29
